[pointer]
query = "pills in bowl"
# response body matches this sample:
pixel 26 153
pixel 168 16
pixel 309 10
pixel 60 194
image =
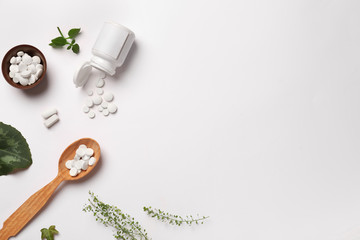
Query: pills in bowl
pixel 82 160
pixel 25 69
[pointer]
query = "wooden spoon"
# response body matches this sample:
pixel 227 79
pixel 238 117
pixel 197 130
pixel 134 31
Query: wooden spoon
pixel 30 207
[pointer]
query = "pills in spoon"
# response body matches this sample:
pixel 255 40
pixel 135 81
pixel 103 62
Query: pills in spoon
pixel 82 160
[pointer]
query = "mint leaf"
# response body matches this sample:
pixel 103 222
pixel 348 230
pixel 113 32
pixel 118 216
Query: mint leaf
pixel 59 41
pixel 14 150
pixel 49 233
pixel 73 32
pixel 75 48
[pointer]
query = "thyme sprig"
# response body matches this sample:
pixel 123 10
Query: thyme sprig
pixel 125 226
pixel 174 219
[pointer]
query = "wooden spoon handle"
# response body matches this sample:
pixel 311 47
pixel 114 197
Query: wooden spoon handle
pixel 28 209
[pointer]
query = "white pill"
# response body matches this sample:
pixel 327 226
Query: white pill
pixel 39 66
pixel 32 68
pixel 83 146
pixel 90 92
pixel 38 73
pixel 89 152
pixel 22 67
pixel 86 109
pixel 14 68
pixel 99 91
pixel 78 164
pixel 92 161
pixel 36 59
pixel 25 73
pixel 84 165
pixel 76 157
pixel 100 108
pixel 104 104
pixel 18 60
pixel 69 164
pixel 20 53
pixel 100 83
pixel 112 108
pixel 16 78
pixel 108 96
pixel 49 112
pixel 26 59
pixel 13 60
pixel 97 100
pixel 11 74
pixel 105 112
pixel 23 81
pixel 80 152
pixel 91 114
pixel 73 172
pixel 79 171
pixel 89 102
pixel 32 79
pixel 51 120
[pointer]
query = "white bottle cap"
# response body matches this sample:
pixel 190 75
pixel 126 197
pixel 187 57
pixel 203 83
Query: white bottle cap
pixel 81 76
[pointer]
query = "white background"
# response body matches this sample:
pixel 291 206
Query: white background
pixel 246 111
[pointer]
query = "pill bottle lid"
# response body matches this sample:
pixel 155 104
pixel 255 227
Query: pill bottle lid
pixel 81 76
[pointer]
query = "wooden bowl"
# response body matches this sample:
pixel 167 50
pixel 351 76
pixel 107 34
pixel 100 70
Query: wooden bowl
pixel 32 51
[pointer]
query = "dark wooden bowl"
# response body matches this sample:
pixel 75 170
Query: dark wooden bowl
pixel 32 51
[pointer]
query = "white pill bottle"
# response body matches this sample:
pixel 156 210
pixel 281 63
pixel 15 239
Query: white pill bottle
pixel 109 51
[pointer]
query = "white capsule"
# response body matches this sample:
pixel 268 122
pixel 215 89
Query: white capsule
pixel 89 152
pixel 20 53
pixel 69 164
pixel 86 109
pixel 13 60
pixel 39 66
pixel 14 68
pixel 105 112
pixel 80 152
pixel 51 120
pixel 104 104
pixel 112 108
pixel 11 74
pixel 23 81
pixel 38 73
pixel 100 83
pixel 32 68
pixel 26 59
pixel 92 161
pixel 97 100
pixel 108 96
pixel 32 79
pixel 91 114
pixel 16 78
pixel 73 172
pixel 18 60
pixel 99 91
pixel 89 102
pixel 49 112
pixel 36 59
pixel 22 67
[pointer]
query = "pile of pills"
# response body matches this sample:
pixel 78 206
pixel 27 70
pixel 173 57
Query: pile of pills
pixel 24 69
pixel 82 160
pixel 50 117
pixel 102 101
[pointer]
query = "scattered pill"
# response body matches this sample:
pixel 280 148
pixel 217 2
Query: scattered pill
pixel 51 120
pixel 108 96
pixel 90 92
pixel 97 99
pixel 86 109
pixel 100 83
pixel 104 104
pixel 99 91
pixel 48 112
pixel 105 112
pixel 112 108
pixel 91 114
pixel 100 108
pixel 89 102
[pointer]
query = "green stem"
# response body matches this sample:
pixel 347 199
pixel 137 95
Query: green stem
pixel 60 32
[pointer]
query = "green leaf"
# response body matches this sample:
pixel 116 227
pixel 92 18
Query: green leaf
pixel 75 48
pixel 73 32
pixel 59 41
pixel 48 233
pixel 14 150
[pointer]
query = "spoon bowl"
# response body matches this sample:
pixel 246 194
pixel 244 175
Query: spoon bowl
pixel 33 204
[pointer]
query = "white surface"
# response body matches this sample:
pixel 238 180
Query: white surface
pixel 247 111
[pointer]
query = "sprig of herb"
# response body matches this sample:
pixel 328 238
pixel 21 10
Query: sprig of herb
pixel 173 219
pixel 62 40
pixel 125 226
pixel 49 233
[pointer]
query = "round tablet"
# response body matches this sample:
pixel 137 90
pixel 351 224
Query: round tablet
pixel 112 108
pixel 104 104
pixel 99 91
pixel 89 102
pixel 97 100
pixel 91 114
pixel 100 83
pixel 86 109
pixel 108 96
pixel 105 112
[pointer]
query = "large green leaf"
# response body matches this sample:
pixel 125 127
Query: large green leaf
pixel 14 150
